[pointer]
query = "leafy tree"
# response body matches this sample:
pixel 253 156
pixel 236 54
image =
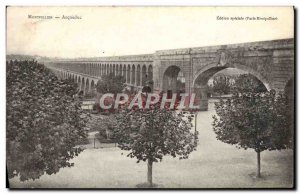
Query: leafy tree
pixel 44 121
pixel 221 85
pixel 150 134
pixel 110 84
pixel 251 119
pixel 248 83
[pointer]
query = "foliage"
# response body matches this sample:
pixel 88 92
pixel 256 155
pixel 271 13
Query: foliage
pixel 44 121
pixel 110 84
pixel 153 134
pixel 251 119
pixel 103 124
pixel 150 134
pixel 221 85
pixel 248 83
pixel 257 121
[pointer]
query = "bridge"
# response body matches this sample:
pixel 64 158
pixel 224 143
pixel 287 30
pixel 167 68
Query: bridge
pixel 187 70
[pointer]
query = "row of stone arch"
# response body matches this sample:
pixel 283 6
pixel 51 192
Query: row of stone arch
pixel 86 85
pixel 134 74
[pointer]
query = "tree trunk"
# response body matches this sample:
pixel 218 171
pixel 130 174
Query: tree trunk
pixel 258 164
pixel 149 174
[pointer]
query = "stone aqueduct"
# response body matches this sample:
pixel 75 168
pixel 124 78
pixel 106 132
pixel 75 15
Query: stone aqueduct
pixel 272 62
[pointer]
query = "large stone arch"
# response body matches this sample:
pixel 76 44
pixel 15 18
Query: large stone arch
pixel 211 69
pixel 171 80
pixel 199 84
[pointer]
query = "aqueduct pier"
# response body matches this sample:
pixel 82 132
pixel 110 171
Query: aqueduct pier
pixel 272 62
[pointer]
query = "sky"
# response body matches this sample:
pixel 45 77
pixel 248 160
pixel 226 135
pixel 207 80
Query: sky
pixel 113 31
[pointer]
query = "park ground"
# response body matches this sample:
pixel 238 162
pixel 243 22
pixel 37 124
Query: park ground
pixel 213 165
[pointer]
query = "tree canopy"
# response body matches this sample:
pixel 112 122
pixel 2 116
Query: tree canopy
pixel 253 119
pixel 221 85
pixel 110 84
pixel 150 134
pixel 257 121
pixel 248 83
pixel 44 121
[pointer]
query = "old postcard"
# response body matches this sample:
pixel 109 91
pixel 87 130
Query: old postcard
pixel 150 97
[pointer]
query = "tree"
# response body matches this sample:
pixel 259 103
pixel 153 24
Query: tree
pixel 248 83
pixel 251 119
pixel 110 84
pixel 221 85
pixel 44 121
pixel 150 134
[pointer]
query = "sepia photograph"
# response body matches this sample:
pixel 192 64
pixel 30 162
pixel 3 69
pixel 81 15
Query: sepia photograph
pixel 150 97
